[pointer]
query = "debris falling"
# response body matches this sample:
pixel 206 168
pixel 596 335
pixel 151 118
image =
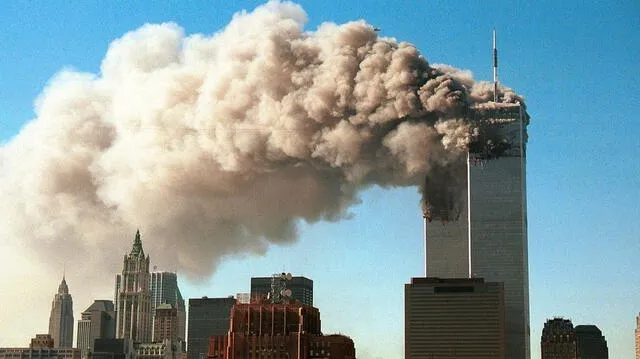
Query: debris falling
pixel 218 145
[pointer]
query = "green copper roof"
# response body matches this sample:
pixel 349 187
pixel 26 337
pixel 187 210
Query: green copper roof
pixel 136 250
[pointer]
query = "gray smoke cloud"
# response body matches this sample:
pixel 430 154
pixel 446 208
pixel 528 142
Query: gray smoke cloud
pixel 218 145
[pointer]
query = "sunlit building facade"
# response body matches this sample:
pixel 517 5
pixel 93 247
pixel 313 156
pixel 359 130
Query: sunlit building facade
pixel 133 302
pixel 61 318
pixel 283 330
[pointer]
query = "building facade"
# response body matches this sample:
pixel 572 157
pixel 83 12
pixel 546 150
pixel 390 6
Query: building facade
pixel 484 226
pixel 454 318
pixel 165 323
pixel 133 302
pixel 637 332
pixel 41 341
pixel 164 349
pixel 41 347
pixel 207 317
pixel 40 353
pixel 98 322
pixel 558 340
pixel 113 349
pixel 278 330
pixel 164 290
pixel 301 288
pixel 61 318
pixel 590 342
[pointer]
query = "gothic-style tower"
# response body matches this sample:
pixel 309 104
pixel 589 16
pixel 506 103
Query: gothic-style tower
pixel 132 297
pixel 61 319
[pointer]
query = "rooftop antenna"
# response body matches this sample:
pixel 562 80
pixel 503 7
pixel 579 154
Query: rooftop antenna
pixel 495 68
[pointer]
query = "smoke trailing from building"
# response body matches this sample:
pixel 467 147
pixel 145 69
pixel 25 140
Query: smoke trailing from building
pixel 219 144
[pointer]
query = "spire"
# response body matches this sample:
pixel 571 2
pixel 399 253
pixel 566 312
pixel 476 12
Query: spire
pixel 63 288
pixel 136 250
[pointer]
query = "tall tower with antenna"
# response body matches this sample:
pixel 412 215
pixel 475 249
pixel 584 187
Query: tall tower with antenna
pixel 495 67
pixel 488 239
pixel 61 318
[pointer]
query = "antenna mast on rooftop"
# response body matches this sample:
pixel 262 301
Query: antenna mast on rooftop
pixel 495 68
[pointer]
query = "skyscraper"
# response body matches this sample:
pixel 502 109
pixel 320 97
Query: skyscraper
pixel 98 322
pixel 207 317
pixel 484 231
pixel 165 323
pixel 454 318
pixel 164 290
pixel 279 329
pixel 61 318
pixel 301 288
pixel 558 340
pixel 638 336
pixel 133 297
pixel 591 343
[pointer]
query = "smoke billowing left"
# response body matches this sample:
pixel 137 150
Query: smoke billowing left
pixel 215 145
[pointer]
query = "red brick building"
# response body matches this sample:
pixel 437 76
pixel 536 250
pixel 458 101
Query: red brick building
pixel 291 331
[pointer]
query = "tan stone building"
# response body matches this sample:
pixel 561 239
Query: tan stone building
pixel 638 336
pixel 133 302
pixel 165 323
pixel 41 347
pixel 61 318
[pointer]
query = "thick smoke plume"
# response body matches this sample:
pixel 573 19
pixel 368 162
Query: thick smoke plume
pixel 218 145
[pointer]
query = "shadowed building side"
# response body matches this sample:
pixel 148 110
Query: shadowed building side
pixel 301 288
pixel 207 317
pixel 98 322
pixel 591 343
pixel 558 340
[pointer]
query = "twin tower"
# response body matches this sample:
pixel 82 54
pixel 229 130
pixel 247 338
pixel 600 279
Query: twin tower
pixel 482 256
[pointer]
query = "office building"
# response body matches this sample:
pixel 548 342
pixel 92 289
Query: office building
pixel 454 318
pixel 207 317
pixel 637 332
pixel 113 349
pixel 165 323
pixel 301 288
pixel 61 318
pixel 481 231
pixel 244 298
pixel 98 322
pixel 278 330
pixel 590 342
pixel 558 340
pixel 41 347
pixel 164 349
pixel 42 341
pixel 133 302
pixel 164 290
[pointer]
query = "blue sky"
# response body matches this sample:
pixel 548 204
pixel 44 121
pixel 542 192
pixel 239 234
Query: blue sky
pixel 575 63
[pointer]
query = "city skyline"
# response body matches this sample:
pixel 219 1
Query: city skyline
pixel 581 208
